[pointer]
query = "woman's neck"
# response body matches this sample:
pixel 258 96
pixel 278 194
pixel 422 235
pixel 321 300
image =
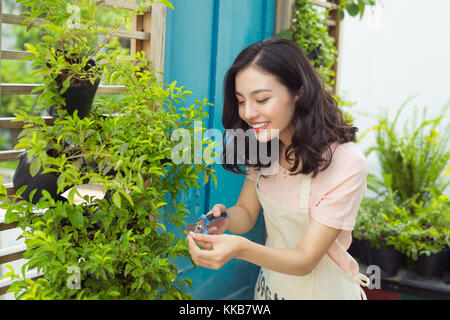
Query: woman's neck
pixel 285 140
pixel 288 164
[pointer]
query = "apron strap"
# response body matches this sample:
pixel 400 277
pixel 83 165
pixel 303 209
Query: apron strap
pixel 257 178
pixel 363 281
pixel 304 191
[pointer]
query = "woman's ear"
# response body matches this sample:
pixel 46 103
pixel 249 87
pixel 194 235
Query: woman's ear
pixel 299 95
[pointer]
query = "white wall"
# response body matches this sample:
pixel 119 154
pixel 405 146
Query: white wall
pixel 400 48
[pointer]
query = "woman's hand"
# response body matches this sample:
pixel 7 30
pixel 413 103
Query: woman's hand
pixel 223 248
pixel 219 226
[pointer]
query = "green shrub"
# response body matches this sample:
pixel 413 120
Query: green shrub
pixel 427 232
pixel 378 220
pixel 119 246
pixel 415 162
pixel 410 211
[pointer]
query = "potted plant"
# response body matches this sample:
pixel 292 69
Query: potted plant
pixel 422 215
pixel 81 90
pixel 426 237
pixel 67 59
pixel 377 222
pixel 404 155
pixel 120 246
pixel 358 248
pixel 116 247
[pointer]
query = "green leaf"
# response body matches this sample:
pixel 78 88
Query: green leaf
pixel 127 196
pixel 21 190
pixel 213 177
pixel 114 76
pixel 116 199
pixel 35 166
pixel 76 218
pixel 352 9
pixel 123 148
pixel 114 293
pixel 71 195
pixel 341 13
pixel 66 84
pixel 285 34
pixel 167 4
pixel 31 49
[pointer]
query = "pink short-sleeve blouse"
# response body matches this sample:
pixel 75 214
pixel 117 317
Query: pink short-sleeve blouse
pixel 335 196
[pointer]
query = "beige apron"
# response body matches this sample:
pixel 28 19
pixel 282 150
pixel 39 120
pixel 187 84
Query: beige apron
pixel 285 225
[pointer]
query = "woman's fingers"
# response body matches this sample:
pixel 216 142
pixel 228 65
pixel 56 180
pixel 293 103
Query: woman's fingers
pixel 197 254
pixel 212 229
pixel 223 249
pixel 218 209
pixel 205 245
pixel 198 243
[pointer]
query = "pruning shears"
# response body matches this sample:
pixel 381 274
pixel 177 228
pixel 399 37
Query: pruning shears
pixel 203 222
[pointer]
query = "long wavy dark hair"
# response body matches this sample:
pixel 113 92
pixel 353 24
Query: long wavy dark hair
pixel 317 119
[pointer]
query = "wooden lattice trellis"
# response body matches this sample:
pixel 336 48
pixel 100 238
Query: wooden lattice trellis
pixel 147 35
pixel 285 10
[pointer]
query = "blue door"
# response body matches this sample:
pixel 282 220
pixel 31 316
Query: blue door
pixel 203 37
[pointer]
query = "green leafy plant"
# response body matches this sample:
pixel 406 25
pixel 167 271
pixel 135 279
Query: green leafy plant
pixel 410 211
pixel 353 7
pixel 416 161
pixel 412 228
pixel 123 243
pixel 118 246
pixel 380 219
pixel 309 29
pixel 75 36
pixel 427 231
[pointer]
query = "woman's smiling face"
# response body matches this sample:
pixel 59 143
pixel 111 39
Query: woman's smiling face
pixel 265 104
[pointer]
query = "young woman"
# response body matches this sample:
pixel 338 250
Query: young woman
pixel 310 201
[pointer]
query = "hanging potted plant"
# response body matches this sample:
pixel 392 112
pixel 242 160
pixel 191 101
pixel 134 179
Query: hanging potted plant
pixel 46 146
pixel 67 61
pixel 66 57
pixel 81 90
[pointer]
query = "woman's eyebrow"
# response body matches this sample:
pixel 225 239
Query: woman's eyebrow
pixel 255 92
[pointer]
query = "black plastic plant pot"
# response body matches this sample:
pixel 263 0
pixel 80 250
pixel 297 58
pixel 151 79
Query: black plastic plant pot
pixel 22 176
pixel 364 251
pixel 80 94
pixel 432 266
pixel 78 97
pixel 353 250
pixel 448 261
pixel 315 53
pixel 388 260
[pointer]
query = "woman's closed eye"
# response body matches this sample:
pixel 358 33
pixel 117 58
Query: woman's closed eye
pixel 262 101
pixel 258 101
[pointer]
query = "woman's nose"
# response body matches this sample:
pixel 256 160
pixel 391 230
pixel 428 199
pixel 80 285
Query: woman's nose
pixel 251 112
